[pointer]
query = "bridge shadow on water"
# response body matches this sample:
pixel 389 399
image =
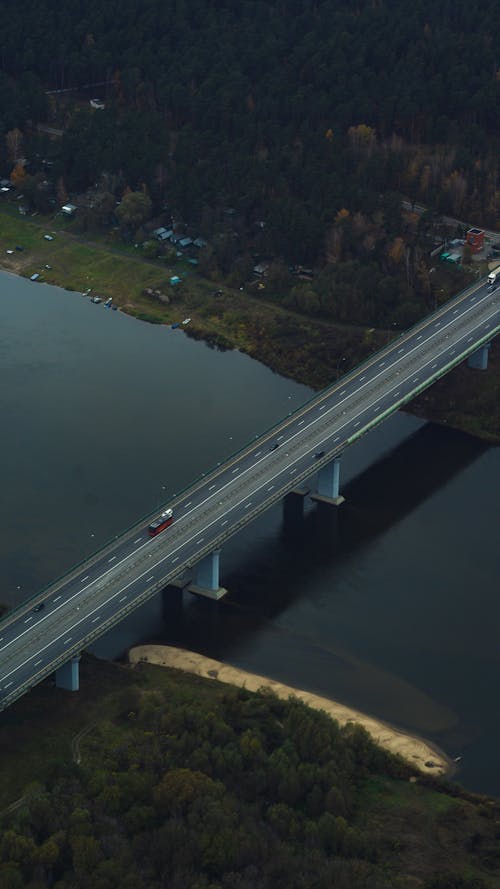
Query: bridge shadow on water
pixel 272 562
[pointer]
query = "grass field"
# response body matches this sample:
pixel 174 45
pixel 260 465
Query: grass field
pixel 305 349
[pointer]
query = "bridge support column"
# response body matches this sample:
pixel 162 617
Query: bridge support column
pixel 479 360
pixel 68 676
pixel 206 582
pixel 328 483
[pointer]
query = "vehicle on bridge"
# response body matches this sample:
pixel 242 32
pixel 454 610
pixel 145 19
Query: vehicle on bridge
pixel 162 522
pixel 494 276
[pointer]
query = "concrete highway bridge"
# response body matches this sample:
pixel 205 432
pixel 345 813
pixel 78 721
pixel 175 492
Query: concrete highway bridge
pixel 301 454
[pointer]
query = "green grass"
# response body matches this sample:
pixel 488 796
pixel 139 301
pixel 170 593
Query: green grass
pixel 305 349
pixel 391 794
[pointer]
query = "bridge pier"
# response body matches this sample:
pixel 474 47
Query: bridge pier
pixel 479 360
pixel 328 483
pixel 68 676
pixel 206 581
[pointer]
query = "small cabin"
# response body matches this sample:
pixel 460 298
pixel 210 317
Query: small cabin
pixel 475 239
pixel 69 209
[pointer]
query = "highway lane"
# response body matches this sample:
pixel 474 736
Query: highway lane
pixel 132 568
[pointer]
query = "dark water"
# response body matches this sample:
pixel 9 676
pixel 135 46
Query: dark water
pixel 389 604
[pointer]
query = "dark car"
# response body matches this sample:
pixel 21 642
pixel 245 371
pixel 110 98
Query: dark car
pixel 18 247
pixel 39 606
pixel 274 446
pixel 319 454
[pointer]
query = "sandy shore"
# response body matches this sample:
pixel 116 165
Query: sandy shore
pixel 416 751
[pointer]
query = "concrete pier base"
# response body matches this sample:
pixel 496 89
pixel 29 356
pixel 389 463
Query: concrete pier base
pixel 328 484
pixel 206 578
pixel 479 360
pixel 68 676
pixel 332 501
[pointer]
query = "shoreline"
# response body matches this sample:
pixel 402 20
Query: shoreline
pixel 421 754
pixel 68 276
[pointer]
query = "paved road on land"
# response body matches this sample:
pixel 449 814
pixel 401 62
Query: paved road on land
pixel 92 598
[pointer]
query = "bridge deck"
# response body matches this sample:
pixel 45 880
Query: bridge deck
pixel 94 596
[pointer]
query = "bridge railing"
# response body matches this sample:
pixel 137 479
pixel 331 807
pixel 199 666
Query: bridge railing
pixel 263 436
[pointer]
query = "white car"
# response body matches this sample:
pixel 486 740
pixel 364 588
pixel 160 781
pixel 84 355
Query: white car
pixel 48 237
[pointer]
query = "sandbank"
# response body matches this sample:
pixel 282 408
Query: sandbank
pixel 418 752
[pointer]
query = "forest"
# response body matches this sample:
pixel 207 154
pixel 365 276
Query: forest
pixel 192 785
pixel 286 114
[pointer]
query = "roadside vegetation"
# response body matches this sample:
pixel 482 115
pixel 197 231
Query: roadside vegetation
pixel 264 322
pixel 150 777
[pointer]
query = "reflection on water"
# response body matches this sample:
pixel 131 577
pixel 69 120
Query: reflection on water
pixel 388 603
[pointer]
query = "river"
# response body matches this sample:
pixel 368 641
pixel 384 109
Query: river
pixel 389 604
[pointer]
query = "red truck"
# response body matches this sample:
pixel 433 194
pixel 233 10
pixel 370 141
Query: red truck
pixel 162 522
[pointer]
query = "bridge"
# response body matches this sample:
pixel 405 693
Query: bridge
pixel 301 454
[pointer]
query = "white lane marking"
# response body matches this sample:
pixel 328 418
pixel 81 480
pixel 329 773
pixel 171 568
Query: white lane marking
pixel 96 618
pixel 200 541
pixel 211 487
pixel 280 437
pixel 322 407
pixel 473 299
pixel 224 523
pixel 434 366
pixel 248 504
pixel 28 619
pixel 112 559
pixel 396 394
pixel 455 311
pixel 8 684
pixel 420 336
pixel 336 439
pixel 301 422
pixel 376 410
pixel 415 380
pixel 258 453
pixel 149 578
pixel 85 578
pixel 293 470
pixel 1 638
pixel 470 339
pixel 437 324
pixel 57 598
pixel 343 392
pixel 452 351
pixel 357 423
pixel 362 378
pixel 400 350
pixel 175 560
pixel 188 504
pixel 138 540
pixel 381 363
pixel 67 640
pixel 37 663
pixel 123 599
pixel 236 470
pixel 272 486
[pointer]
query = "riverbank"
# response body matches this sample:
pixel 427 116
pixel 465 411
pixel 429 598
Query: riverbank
pixel 416 751
pixel 308 350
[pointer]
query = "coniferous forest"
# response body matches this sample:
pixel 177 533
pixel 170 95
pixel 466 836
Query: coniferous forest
pixel 284 112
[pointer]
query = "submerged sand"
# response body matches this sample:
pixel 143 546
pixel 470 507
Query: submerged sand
pixel 416 751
